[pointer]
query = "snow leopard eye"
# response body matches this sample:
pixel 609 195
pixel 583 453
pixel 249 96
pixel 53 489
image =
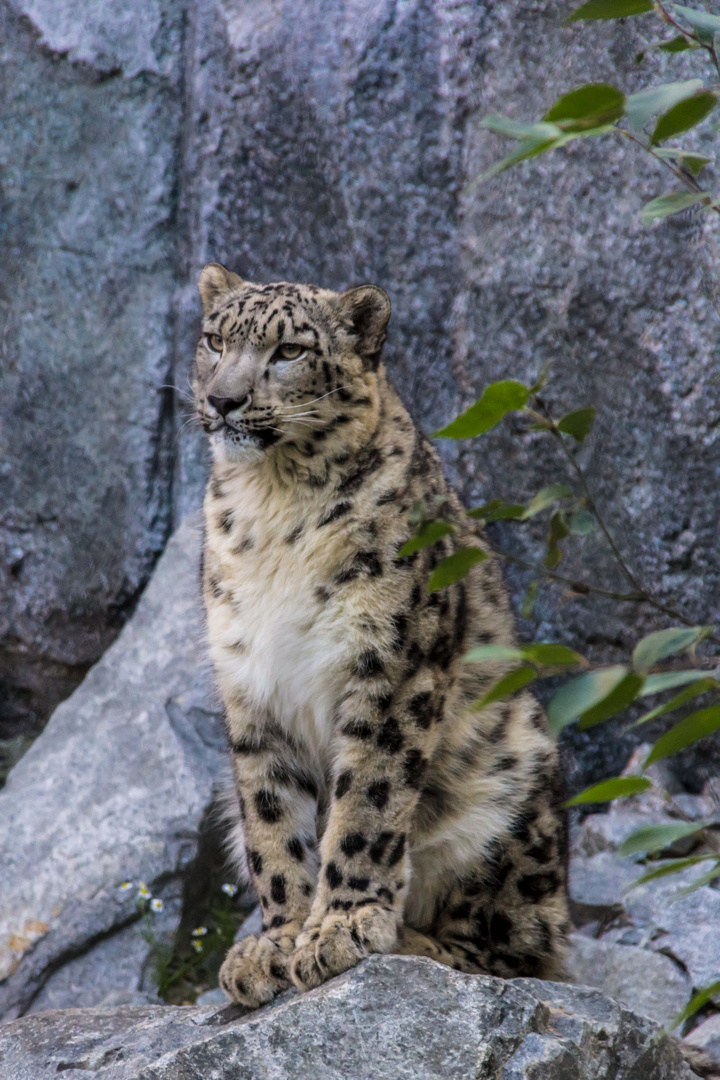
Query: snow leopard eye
pixel 214 343
pixel 288 351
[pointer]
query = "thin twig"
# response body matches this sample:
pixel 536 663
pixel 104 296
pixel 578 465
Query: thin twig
pixel 590 501
pixel 681 173
pixel 641 594
pixel 689 34
pixel 581 588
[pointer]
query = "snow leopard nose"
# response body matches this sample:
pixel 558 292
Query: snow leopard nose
pixel 225 405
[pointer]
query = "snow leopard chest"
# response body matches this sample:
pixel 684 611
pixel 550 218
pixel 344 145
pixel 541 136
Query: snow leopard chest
pixel 274 636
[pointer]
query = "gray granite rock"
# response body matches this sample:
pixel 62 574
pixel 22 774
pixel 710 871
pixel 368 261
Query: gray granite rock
pixel 647 982
pixel 91 96
pixel 113 792
pixel 251 925
pixel 606 832
pixel 597 885
pixel 683 926
pixel 392 1018
pixel 655 915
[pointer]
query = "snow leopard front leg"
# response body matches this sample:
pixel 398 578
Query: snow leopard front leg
pixel 363 877
pixel 277 794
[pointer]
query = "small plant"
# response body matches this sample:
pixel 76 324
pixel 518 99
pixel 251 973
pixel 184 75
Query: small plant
pixel 183 968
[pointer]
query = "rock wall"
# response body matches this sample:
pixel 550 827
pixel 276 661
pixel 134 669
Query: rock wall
pixel 92 105
pixel 335 142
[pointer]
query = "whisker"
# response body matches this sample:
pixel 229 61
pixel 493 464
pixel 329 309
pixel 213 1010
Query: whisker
pixel 304 404
pixel 302 416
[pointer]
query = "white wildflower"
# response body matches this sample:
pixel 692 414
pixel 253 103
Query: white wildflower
pixel 229 889
pixel 199 931
pixel 197 946
pixel 143 891
pixel 125 886
pixel 156 904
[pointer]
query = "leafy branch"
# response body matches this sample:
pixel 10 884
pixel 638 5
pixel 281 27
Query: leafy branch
pixel 573 514
pixel 652 116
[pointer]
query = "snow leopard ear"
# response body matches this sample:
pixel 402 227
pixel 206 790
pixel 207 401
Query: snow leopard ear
pixel 215 280
pixel 367 309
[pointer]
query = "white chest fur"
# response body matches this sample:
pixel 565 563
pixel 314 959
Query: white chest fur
pixel 275 642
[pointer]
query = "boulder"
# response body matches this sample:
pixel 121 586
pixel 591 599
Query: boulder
pixel 390 1018
pixel 647 982
pixel 111 795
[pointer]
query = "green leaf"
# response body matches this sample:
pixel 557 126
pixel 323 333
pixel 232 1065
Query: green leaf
pixel 497 510
pixel 498 399
pixel 694 727
pixel 706 25
pixel 651 838
pixel 455 567
pixel 583 693
pixel 691 161
pixel 559 530
pixel 676 44
pixel 550 654
pixel 658 99
pixel 696 1002
pixel 542 653
pixel 528 148
pixel 668 680
pixel 670 866
pixel 509 684
pixel 683 116
pixel 429 534
pixel 696 690
pixel 656 646
pixel 518 129
pixel 606 790
pixel 665 205
pixel 530 599
pixel 578 423
pixel 618 699
pixel 545 497
pixel 581 523
pixel 609 9
pixel 586 107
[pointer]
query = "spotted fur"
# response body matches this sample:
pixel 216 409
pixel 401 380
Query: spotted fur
pixel 380 811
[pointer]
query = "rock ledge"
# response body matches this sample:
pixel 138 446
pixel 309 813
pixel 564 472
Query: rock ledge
pixel 391 1018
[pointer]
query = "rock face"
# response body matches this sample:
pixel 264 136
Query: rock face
pixel 335 142
pixel 114 791
pixel 391 1018
pixel 92 112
